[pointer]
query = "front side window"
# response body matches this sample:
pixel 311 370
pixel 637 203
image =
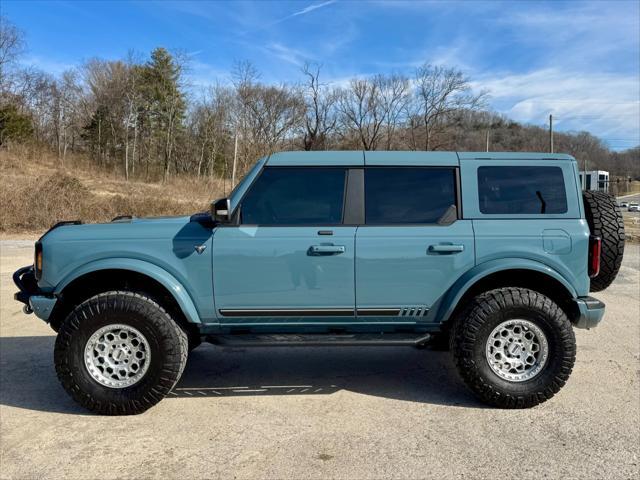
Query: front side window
pixel 522 190
pixel 408 195
pixel 295 196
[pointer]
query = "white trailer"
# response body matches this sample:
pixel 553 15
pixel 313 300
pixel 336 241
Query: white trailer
pixel 597 180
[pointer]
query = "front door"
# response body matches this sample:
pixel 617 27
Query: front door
pixel 290 259
pixel 413 246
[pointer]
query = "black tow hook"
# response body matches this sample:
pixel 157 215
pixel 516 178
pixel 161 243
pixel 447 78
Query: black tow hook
pixel 25 281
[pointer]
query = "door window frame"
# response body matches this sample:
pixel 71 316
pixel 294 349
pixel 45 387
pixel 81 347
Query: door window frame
pixel 354 197
pixel 457 195
pixel 350 200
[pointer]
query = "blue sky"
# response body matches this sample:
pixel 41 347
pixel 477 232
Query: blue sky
pixel 577 60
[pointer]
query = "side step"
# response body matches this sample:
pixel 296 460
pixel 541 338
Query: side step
pixel 321 339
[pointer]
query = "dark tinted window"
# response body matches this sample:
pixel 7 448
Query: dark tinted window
pixel 295 196
pixel 522 190
pixel 408 195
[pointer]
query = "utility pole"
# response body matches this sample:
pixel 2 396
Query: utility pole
pixel 488 140
pixel 235 162
pixel 584 184
pixel 551 133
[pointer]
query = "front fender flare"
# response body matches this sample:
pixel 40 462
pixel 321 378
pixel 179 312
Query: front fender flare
pixel 464 283
pixel 145 268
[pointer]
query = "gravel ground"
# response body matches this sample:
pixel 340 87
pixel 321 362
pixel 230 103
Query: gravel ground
pixel 325 413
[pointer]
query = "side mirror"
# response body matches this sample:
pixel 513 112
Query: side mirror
pixel 221 210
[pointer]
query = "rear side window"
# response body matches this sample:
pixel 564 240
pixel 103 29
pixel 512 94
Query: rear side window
pixel 295 196
pixel 408 195
pixel 521 190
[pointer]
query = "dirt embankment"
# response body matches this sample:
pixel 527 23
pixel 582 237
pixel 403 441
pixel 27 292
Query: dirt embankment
pixel 36 191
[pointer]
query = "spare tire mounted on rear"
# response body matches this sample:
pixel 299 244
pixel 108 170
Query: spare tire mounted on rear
pixel 605 221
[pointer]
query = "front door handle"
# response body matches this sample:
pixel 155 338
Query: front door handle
pixel 445 248
pixel 323 250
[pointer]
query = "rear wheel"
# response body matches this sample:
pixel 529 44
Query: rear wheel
pixel 119 353
pixel 513 347
pixel 605 221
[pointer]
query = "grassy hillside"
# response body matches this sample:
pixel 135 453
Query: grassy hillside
pixel 36 192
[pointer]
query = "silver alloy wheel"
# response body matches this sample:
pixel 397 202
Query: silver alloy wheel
pixel 117 356
pixel 517 350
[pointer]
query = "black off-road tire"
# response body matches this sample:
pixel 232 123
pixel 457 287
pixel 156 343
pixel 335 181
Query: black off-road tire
pixel 473 327
pixel 168 352
pixel 605 221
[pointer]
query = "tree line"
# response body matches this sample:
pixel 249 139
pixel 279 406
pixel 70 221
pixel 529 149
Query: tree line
pixel 140 115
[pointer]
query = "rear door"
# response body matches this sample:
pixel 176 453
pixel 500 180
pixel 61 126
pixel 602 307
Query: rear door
pixel 413 245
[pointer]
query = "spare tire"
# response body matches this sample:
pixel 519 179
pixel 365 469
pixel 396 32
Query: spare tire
pixel 605 221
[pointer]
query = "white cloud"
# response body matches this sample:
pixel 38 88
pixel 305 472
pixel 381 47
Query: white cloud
pixel 304 11
pixel 311 8
pixel 288 54
pixel 203 75
pixel 49 65
pixel 605 104
pixel 588 35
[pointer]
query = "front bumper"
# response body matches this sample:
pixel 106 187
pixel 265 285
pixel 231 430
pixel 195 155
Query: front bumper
pixel 34 300
pixel 591 312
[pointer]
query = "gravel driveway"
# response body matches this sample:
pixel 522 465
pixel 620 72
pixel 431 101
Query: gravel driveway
pixel 323 412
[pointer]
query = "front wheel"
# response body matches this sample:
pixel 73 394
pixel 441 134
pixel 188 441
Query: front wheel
pixel 119 353
pixel 513 347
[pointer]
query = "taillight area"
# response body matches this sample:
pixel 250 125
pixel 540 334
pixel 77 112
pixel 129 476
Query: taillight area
pixel 37 261
pixel 595 249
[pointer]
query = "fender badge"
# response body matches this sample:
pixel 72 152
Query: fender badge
pixel 200 248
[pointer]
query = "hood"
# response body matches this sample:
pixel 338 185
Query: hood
pixel 126 227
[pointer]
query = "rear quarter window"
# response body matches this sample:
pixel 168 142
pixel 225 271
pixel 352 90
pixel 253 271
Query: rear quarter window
pixel 512 190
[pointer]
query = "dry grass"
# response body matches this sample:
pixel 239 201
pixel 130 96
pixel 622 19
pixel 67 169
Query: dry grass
pixel 36 192
pixel 632 228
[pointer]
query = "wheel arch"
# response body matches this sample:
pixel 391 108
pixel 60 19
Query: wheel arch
pixel 497 274
pixel 126 274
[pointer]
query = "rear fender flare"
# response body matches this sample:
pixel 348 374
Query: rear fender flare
pixel 464 283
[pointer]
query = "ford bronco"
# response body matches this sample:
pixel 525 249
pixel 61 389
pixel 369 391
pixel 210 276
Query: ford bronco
pixel 489 255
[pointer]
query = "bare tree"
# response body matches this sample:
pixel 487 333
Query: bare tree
pixel 362 109
pixel 134 106
pixel 107 81
pixel 211 126
pixel 394 95
pixel 274 112
pixel 320 115
pixel 66 97
pixel 440 92
pixel 12 45
pixel 245 79
pixel 265 115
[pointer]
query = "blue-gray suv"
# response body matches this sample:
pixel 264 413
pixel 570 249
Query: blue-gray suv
pixel 489 255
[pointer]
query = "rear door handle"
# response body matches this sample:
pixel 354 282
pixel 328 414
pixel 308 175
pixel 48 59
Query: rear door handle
pixel 323 250
pixel 445 248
